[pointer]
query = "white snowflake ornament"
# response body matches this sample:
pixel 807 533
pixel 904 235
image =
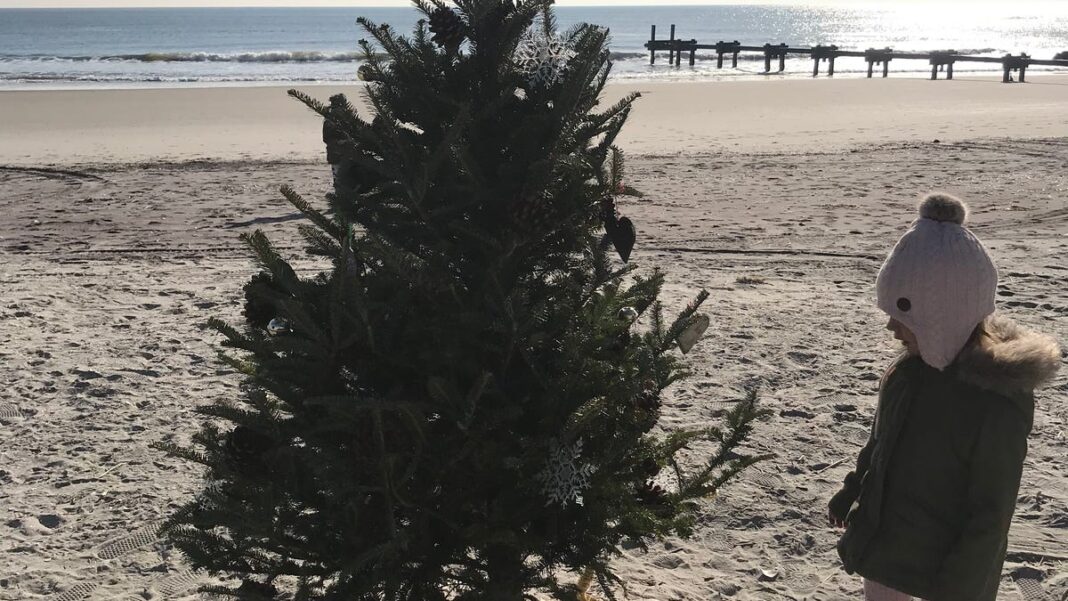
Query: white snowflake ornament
pixel 543 57
pixel 565 476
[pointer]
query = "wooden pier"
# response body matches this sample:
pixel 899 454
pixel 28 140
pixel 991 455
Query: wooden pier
pixel 939 60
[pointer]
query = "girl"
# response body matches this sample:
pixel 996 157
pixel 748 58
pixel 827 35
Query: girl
pixel 927 509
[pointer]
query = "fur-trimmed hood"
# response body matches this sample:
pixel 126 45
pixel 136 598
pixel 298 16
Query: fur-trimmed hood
pixel 1010 360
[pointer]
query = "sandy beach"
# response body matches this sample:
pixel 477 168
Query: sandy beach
pixel 257 123
pixel 122 211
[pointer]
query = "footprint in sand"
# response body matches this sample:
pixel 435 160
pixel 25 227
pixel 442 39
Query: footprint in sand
pixel 1029 582
pixel 10 413
pixel 855 434
pixel 802 358
pixel 177 584
pixel 75 593
pixel 138 539
pixel 767 481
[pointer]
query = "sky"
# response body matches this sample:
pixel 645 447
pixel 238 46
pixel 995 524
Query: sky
pixel 344 3
pixel 366 3
pixel 347 3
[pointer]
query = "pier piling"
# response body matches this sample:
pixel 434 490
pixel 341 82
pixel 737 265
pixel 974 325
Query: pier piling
pixel 942 59
pixel 671 52
pixel 775 51
pixel 823 53
pixel 881 56
pixel 652 46
pixel 1012 63
pixel 727 48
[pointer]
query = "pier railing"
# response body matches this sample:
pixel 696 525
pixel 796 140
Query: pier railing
pixel 940 60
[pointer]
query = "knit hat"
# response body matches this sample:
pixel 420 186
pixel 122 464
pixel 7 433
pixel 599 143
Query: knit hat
pixel 939 280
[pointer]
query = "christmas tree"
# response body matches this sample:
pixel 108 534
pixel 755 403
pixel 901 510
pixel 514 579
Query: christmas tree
pixel 461 404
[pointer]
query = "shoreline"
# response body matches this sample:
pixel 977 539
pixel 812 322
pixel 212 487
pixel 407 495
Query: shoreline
pixel 797 115
pixel 677 77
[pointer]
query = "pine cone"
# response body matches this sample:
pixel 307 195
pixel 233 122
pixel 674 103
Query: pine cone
pixel 447 27
pixel 652 494
pixel 251 589
pixel 499 13
pixel 526 210
pixel 648 401
pixel 245 445
pixel 534 214
pixel 650 466
pixel 620 343
pixel 258 310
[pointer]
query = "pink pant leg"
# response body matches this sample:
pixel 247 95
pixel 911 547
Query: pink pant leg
pixel 873 591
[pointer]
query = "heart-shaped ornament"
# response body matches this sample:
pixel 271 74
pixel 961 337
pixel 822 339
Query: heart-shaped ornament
pixel 622 234
pixel 689 336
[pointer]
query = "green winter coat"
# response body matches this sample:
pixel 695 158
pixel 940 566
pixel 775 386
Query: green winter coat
pixel 928 507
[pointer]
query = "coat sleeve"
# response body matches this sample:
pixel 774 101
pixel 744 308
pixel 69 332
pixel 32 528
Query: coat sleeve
pixel 844 498
pixel 972 569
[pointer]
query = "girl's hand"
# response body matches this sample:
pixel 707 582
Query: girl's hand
pixel 835 520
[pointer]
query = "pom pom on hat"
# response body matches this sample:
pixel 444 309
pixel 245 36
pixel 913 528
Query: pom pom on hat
pixel 944 207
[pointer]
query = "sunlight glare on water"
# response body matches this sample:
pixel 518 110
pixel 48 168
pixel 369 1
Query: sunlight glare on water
pixel 255 46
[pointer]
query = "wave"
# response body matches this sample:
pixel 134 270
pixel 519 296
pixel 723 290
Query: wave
pixel 979 51
pixel 32 78
pixel 622 56
pixel 297 56
pixel 313 56
pixel 756 55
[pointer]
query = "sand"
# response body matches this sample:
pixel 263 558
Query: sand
pixel 118 241
pixel 256 123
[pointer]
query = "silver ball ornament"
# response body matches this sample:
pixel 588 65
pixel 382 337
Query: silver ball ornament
pixel 366 73
pixel 278 326
pixel 628 314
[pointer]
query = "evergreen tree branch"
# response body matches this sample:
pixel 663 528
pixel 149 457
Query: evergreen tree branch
pixel 321 221
pixel 269 259
pixel 318 242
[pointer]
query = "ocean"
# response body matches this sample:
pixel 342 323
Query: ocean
pixel 65 48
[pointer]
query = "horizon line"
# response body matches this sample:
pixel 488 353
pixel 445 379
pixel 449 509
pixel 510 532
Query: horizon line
pixel 405 4
pixel 60 5
pixel 563 4
pixel 586 4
